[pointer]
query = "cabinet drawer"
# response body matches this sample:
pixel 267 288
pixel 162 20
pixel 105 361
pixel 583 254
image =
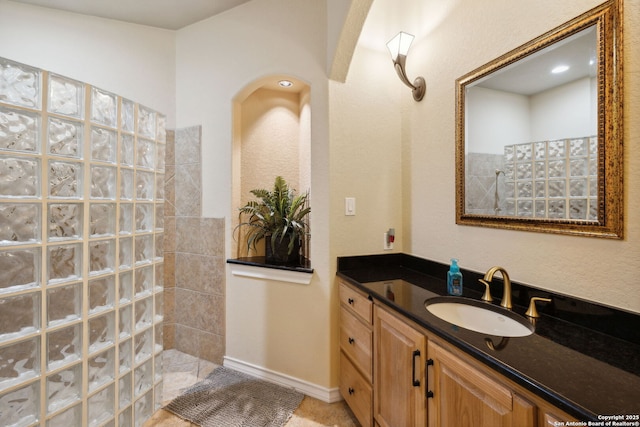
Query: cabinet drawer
pixel 357 302
pixel 356 340
pixel 356 391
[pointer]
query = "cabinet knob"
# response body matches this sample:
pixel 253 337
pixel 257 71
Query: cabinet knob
pixel 350 301
pixel 429 394
pixel 351 390
pixel 351 340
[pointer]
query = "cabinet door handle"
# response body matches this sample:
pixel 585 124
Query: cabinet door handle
pixel 429 392
pixel 351 340
pixel 351 390
pixel 416 383
pixel 350 301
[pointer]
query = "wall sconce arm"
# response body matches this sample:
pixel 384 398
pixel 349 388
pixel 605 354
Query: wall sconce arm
pixel 418 87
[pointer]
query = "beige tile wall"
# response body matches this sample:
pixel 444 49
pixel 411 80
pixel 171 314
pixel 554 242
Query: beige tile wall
pixel 194 255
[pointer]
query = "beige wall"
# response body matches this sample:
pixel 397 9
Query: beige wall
pixel 468 35
pixel 276 326
pixel 135 61
pixel 269 138
pixel 367 155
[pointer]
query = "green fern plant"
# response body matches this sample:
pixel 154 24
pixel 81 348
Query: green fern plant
pixel 278 214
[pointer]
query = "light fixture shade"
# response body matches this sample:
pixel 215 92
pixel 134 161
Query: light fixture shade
pixel 400 44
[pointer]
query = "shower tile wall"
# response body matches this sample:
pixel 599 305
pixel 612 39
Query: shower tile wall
pixel 480 185
pixel 194 256
pixel 81 253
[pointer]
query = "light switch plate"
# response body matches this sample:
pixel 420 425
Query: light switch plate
pixel 349 206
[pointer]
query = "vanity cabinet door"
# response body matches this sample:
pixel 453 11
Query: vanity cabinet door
pixel 399 373
pixel 464 396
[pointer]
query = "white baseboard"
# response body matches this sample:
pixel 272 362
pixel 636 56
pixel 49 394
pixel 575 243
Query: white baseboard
pixel 328 395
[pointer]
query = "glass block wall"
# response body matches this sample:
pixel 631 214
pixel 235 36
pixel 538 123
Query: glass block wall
pixel 552 179
pixel 81 238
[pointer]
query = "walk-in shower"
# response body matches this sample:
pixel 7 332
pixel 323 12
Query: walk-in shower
pixel 81 253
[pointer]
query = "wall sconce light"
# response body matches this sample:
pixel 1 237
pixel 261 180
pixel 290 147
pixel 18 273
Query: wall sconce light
pixel 399 46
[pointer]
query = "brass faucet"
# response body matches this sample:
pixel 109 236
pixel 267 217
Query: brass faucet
pixel 506 296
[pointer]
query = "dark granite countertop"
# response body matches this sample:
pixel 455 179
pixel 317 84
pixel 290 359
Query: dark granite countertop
pixel 583 358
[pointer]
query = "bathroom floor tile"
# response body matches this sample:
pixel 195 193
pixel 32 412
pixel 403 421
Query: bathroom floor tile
pixel 163 418
pixel 181 371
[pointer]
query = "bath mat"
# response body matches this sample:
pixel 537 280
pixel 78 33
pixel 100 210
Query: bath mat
pixel 227 398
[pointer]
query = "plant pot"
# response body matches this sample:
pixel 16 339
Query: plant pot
pixel 279 253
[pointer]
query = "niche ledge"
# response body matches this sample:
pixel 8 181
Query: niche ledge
pixel 258 268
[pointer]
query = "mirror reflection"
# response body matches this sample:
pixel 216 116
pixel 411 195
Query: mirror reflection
pixel 539 132
pixel 531 135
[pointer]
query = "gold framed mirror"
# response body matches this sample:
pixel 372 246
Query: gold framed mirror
pixel 542 151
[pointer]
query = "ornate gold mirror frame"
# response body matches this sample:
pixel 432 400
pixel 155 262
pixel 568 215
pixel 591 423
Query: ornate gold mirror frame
pixel 607 220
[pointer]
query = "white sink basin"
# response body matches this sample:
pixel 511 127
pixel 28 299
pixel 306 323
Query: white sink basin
pixel 479 316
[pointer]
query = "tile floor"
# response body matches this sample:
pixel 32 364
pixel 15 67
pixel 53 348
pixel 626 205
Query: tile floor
pixel 181 370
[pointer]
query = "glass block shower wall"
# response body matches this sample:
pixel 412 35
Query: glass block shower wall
pixel 81 238
pixel 552 179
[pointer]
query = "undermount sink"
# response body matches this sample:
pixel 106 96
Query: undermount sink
pixel 479 316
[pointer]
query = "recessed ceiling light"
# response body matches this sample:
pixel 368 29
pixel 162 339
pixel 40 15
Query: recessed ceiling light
pixel 285 83
pixel 560 69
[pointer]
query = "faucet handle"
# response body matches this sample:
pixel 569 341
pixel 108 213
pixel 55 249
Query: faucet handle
pixel 487 292
pixel 532 311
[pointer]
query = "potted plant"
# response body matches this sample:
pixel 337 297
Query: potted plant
pixel 279 217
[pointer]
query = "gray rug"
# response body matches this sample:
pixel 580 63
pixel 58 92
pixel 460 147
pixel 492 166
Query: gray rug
pixel 227 398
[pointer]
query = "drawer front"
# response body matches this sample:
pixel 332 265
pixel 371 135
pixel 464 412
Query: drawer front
pixel 356 302
pixel 356 391
pixel 356 340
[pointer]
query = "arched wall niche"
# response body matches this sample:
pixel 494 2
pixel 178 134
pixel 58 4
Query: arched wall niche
pixel 271 137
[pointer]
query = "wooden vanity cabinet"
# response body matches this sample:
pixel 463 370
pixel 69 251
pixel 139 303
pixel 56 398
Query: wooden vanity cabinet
pixel 465 396
pixel 465 392
pixel 399 397
pixel 394 373
pixel 356 352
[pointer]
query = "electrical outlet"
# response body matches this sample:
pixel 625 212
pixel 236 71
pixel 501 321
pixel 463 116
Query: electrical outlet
pixel 387 244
